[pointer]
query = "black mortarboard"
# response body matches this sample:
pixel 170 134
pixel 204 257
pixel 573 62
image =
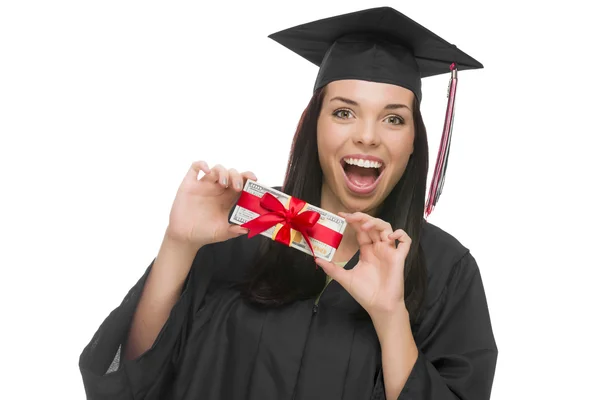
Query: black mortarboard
pixel 378 44
pixel 381 45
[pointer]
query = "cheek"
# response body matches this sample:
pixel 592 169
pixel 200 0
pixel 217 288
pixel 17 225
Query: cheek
pixel 322 145
pixel 329 139
pixel 401 147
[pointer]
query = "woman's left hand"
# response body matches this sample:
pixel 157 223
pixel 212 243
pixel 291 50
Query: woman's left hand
pixel 377 280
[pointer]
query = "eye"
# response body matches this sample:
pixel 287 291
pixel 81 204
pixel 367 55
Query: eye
pixel 395 120
pixel 343 113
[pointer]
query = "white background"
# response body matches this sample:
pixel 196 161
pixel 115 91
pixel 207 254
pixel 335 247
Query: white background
pixel 104 105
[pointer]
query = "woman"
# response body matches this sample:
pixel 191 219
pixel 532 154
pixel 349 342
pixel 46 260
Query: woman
pixel 221 316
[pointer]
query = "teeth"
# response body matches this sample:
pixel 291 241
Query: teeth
pixel 362 163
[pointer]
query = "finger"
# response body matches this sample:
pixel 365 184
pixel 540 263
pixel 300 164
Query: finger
pixel 357 216
pixel 338 274
pixel 212 176
pixel 370 228
pixel 362 237
pixel 249 175
pixel 404 240
pixel 378 229
pixel 198 166
pixel 400 235
pixel 222 174
pixel 235 179
pixel 363 222
pixel 383 229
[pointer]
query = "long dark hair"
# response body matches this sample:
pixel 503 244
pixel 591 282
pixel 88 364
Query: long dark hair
pixel 281 274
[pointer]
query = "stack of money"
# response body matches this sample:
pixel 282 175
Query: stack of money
pixel 241 215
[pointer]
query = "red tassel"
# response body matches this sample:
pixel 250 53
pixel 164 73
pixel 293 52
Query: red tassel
pixel 437 182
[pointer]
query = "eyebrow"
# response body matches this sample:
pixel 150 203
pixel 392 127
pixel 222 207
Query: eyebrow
pixel 354 103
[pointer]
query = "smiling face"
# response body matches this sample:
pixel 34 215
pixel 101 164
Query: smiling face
pixel 365 136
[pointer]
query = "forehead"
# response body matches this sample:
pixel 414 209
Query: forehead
pixel 369 92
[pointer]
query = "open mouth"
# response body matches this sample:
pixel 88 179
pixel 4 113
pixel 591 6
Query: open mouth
pixel 362 173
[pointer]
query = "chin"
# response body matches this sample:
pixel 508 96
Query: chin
pixel 358 203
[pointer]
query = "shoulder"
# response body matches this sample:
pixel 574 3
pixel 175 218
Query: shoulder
pixel 448 261
pixel 440 247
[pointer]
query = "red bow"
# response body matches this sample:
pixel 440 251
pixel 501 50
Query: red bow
pixel 291 218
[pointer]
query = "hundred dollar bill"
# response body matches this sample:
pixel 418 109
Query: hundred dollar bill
pixel 241 215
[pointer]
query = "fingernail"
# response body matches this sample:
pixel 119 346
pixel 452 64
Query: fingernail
pixel 238 185
pixel 224 181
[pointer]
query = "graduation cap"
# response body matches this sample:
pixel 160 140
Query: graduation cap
pixel 382 45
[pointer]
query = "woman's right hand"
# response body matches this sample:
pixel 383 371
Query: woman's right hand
pixel 199 215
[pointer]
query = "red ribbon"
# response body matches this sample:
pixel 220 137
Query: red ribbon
pixel 272 212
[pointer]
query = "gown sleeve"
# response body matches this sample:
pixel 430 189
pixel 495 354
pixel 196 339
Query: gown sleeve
pixel 105 372
pixel 457 349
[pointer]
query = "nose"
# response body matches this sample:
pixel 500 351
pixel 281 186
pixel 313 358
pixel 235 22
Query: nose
pixel 366 135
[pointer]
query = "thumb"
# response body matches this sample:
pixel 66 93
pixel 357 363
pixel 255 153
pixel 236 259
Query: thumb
pixel 235 231
pixel 336 273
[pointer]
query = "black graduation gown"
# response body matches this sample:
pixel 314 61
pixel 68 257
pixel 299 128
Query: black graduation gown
pixel 215 346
